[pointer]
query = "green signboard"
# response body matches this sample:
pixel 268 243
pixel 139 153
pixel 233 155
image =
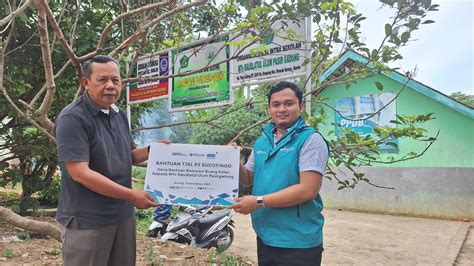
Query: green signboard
pixel 208 84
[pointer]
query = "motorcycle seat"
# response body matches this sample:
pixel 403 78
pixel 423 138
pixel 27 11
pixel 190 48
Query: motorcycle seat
pixel 211 218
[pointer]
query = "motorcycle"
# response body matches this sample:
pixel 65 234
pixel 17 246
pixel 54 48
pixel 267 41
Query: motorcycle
pixel 161 217
pixel 202 229
pixel 162 214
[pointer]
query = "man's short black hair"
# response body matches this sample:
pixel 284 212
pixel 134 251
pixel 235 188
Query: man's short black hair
pixel 86 66
pixel 286 85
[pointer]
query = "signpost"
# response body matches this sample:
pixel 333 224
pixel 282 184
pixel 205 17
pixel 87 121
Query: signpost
pixel 209 85
pixel 286 46
pixel 283 56
pixel 150 66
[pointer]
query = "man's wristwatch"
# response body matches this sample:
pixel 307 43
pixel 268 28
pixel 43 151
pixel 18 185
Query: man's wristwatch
pixel 260 203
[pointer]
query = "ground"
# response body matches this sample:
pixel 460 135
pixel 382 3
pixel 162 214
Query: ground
pixel 37 249
pixel 350 238
pixel 41 250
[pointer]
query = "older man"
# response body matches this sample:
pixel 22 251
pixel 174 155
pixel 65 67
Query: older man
pixel 95 211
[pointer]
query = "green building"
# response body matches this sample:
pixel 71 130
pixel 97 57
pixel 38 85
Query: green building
pixel 438 184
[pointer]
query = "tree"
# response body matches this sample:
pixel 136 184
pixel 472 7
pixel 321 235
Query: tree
pixel 467 99
pixel 43 44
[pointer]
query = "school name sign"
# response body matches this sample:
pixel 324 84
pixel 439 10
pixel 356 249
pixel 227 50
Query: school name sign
pixel 148 67
pixel 282 54
pixel 207 84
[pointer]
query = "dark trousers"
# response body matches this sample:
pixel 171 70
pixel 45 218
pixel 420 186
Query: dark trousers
pixel 270 256
pixel 110 245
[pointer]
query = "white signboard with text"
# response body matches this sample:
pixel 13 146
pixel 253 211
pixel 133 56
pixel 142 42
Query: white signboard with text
pixel 193 174
pixel 285 50
pixel 147 67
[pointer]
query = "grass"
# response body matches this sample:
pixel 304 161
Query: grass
pixel 7 253
pixel 222 259
pixel 55 251
pixel 9 195
pixel 143 218
pixel 151 257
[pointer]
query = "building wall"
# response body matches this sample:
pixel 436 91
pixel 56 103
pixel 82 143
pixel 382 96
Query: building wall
pixel 439 184
pixel 456 130
pixel 445 193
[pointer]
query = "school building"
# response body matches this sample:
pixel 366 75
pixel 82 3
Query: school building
pixel 438 184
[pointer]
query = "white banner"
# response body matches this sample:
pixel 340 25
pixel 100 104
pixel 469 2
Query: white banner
pixel 286 50
pixel 193 174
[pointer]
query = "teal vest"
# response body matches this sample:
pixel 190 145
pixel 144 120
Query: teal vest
pixel 277 168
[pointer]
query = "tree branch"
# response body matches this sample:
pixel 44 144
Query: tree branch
pixel 122 16
pixel 43 89
pixel 10 101
pixel 28 224
pixel 42 112
pixel 15 13
pixel 59 34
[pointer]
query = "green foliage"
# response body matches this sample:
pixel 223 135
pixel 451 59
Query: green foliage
pixel 27 235
pixel 7 253
pixel 467 99
pixel 219 258
pixel 55 251
pixel 29 158
pixel 24 236
pixel 138 172
pixel 50 195
pixel 25 206
pixel 151 256
pixel 221 130
pixel 143 219
pixel 352 150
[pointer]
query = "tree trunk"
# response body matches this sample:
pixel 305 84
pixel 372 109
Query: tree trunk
pixel 28 224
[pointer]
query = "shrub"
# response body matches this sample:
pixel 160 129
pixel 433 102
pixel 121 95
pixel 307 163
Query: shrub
pixel 50 195
pixel 138 172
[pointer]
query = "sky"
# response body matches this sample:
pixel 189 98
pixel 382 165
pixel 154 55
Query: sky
pixel 442 51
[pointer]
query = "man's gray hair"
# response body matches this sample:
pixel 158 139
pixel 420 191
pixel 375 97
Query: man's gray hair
pixel 87 65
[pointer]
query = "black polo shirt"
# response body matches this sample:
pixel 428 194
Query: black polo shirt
pixel 84 133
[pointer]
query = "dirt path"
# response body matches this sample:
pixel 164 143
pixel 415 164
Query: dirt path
pixel 349 238
pixel 367 239
pixel 245 243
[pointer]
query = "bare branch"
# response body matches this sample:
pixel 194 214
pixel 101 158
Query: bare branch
pixel 15 13
pixel 29 224
pixel 172 12
pixel 122 16
pixel 10 101
pixel 42 112
pixel 43 89
pixel 53 42
pixel 59 34
pixel 9 37
pixel 405 158
pixel 243 131
pixel 74 25
pixel 142 31
pixel 207 121
pixel 21 45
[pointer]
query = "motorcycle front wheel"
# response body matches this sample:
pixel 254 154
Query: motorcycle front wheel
pixel 224 239
pixel 153 233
